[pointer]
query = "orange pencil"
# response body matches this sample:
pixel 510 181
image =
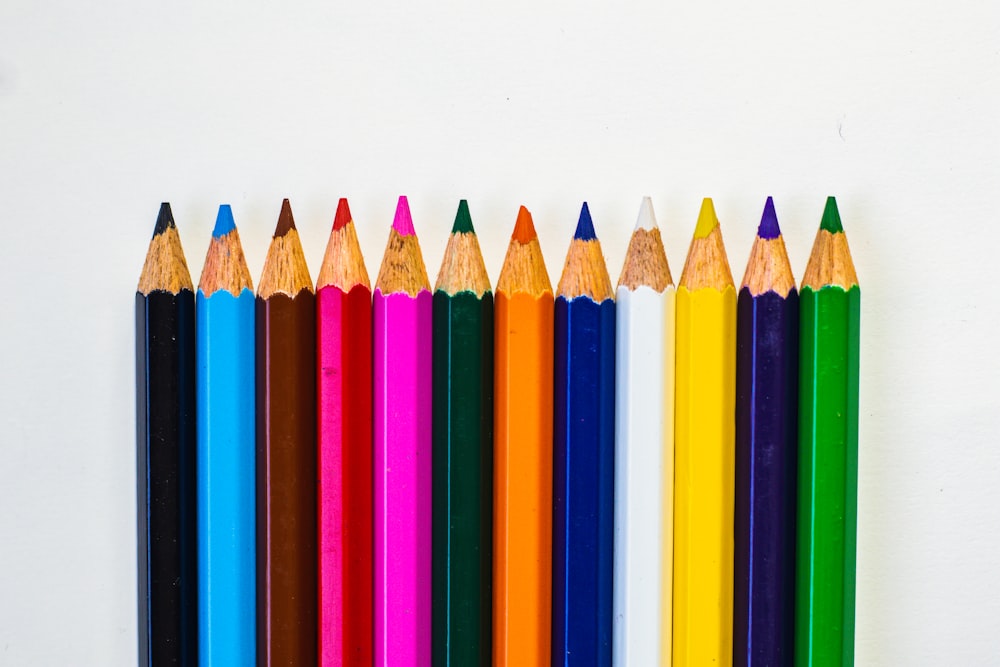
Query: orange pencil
pixel 522 477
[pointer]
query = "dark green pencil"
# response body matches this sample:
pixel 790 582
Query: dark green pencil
pixel 463 452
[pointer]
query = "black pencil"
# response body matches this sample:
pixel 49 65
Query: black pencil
pixel 165 452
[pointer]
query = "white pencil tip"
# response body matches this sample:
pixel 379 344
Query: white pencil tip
pixel 647 220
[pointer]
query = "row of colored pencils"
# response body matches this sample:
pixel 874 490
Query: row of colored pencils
pixel 635 475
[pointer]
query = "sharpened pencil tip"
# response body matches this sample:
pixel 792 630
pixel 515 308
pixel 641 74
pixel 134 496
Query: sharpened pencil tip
pixel 707 220
pixel 223 222
pixel 831 217
pixel 343 215
pixel 463 220
pixel 524 228
pixel 768 228
pixel 646 219
pixel 403 223
pixel 285 220
pixel 164 220
pixel 585 225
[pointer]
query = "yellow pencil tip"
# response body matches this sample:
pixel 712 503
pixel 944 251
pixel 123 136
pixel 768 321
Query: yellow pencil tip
pixel 707 220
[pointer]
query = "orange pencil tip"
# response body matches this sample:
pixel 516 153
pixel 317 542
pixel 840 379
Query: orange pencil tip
pixel 524 229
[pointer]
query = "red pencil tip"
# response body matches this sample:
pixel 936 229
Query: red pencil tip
pixel 343 215
pixel 524 228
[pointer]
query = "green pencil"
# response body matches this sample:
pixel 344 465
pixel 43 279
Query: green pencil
pixel 830 304
pixel 463 452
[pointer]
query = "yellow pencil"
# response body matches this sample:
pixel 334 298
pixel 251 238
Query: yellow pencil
pixel 704 445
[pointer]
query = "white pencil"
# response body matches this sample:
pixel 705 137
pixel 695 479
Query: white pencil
pixel 644 450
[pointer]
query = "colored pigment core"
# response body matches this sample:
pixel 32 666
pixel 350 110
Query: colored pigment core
pixel 585 227
pixel 463 221
pixel 768 228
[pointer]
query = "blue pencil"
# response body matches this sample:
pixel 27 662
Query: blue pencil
pixel 226 428
pixel 583 455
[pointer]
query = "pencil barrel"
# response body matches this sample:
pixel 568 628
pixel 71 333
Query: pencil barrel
pixel 583 481
pixel 286 479
pixel 766 445
pixel 402 408
pixel 522 519
pixel 165 460
pixel 462 478
pixel 344 441
pixel 226 478
pixel 827 476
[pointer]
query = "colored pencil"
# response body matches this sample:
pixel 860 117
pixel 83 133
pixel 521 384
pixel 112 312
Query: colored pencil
pixel 286 453
pixel 644 449
pixel 767 333
pixel 226 446
pixel 403 312
pixel 463 451
pixel 704 442
pixel 522 507
pixel 344 411
pixel 828 450
pixel 165 451
pixel 583 455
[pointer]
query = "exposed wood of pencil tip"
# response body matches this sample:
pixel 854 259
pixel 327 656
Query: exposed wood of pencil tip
pixel 402 267
pixel 225 266
pixel 830 262
pixel 585 273
pixel 165 268
pixel 768 269
pixel 285 270
pixel 645 262
pixel 462 269
pixel 524 269
pixel 343 264
pixel 707 264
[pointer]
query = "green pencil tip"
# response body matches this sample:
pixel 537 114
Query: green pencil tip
pixel 831 217
pixel 463 220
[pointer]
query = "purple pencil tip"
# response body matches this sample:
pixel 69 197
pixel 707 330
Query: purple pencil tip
pixel 768 228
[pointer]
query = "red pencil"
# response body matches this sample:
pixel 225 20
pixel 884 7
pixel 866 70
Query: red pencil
pixel 344 391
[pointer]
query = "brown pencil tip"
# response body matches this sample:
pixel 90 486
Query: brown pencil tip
pixel 285 220
pixel 524 228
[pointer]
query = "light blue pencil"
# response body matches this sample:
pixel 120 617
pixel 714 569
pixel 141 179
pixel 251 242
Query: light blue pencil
pixel 226 429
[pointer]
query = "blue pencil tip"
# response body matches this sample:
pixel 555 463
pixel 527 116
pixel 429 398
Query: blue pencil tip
pixel 223 222
pixel 768 228
pixel 585 227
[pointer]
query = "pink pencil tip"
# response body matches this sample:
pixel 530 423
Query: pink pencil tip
pixel 403 223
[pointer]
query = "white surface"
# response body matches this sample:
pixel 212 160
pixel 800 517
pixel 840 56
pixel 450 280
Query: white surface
pixel 108 108
pixel 644 473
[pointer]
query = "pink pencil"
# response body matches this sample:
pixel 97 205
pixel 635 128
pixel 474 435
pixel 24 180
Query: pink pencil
pixel 344 392
pixel 402 354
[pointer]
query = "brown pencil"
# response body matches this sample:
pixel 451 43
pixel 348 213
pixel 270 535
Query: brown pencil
pixel 286 453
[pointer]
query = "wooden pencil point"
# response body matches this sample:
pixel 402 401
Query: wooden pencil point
pixel 707 264
pixel 585 273
pixel 165 267
pixel 286 222
pixel 646 260
pixel 524 267
pixel 402 267
pixel 343 264
pixel 462 269
pixel 225 265
pixel 285 270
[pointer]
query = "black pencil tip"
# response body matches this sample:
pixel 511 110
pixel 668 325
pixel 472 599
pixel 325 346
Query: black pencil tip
pixel 164 220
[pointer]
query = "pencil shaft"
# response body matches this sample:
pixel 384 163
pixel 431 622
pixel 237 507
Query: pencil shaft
pixel 828 474
pixel 644 477
pixel 286 479
pixel 165 458
pixel 344 394
pixel 463 478
pixel 583 486
pixel 226 478
pixel 403 385
pixel 522 526
pixel 766 443
pixel 703 476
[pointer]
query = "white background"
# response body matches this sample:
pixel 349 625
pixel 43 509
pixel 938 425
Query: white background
pixel 892 106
